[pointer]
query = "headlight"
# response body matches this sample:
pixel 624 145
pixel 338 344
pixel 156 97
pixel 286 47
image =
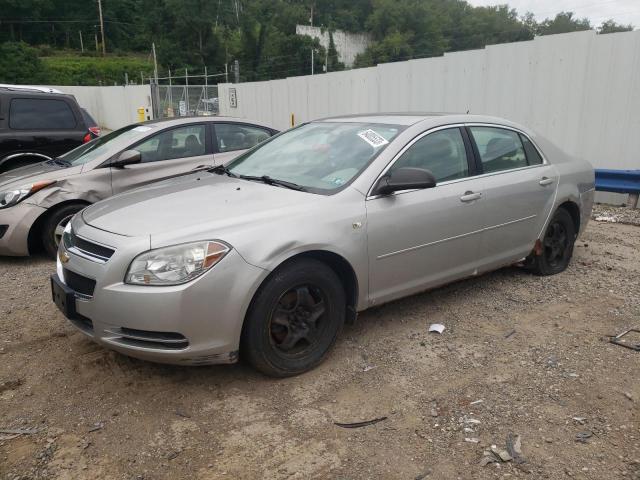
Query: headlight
pixel 175 265
pixel 9 198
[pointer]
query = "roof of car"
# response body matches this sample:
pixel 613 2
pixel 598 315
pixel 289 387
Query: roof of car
pixel 199 119
pixel 395 118
pixel 429 118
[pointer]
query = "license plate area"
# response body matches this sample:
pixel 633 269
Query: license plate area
pixel 64 298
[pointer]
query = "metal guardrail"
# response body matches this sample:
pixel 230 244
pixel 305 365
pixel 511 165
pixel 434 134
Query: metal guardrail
pixel 619 181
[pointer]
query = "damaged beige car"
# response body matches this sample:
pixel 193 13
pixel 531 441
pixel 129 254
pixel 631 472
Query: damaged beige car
pixel 37 201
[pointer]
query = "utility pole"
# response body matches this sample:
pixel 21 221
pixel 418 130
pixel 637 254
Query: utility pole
pixel 312 48
pixel 81 43
pixel 155 62
pixel 236 70
pixel 104 47
pixel 226 73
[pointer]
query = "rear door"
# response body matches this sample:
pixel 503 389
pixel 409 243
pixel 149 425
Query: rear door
pixel 518 188
pixel 47 125
pixel 419 239
pixel 232 139
pixel 171 152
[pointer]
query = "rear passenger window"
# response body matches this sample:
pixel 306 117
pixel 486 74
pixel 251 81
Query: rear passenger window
pixel 40 114
pixel 441 152
pixel 533 156
pixel 499 149
pixel 238 137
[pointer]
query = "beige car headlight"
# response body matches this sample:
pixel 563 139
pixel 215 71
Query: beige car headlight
pixel 176 264
pixel 8 198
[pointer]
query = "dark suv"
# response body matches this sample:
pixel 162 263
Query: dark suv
pixel 37 126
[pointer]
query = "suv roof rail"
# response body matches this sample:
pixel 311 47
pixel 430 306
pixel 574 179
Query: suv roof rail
pixel 29 88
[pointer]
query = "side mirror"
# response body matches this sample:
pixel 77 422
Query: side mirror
pixel 405 178
pixel 128 157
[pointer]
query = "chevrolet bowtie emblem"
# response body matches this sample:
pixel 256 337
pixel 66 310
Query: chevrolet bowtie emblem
pixel 63 256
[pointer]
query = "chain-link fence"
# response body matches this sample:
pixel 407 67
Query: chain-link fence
pixel 184 100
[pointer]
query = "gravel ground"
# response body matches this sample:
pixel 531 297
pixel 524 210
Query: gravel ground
pixel 520 355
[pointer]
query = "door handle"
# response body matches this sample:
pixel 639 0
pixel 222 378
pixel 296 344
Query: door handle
pixel 544 181
pixel 470 196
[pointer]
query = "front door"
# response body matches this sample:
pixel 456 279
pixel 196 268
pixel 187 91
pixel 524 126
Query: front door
pixel 423 238
pixel 172 152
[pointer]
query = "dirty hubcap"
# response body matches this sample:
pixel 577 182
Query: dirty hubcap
pixel 59 230
pixel 298 320
pixel 555 243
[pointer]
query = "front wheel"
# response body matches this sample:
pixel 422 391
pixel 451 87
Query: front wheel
pixel 55 224
pixel 294 319
pixel 557 245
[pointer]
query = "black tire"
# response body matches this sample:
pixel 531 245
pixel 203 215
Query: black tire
pixel 56 218
pixel 557 245
pixel 294 319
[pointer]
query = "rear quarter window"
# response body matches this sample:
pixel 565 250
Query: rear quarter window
pixel 40 114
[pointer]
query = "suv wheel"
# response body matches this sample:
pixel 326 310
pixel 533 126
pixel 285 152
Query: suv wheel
pixel 294 319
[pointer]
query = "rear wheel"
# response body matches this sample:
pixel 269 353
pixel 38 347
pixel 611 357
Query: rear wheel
pixel 54 226
pixel 294 319
pixel 557 245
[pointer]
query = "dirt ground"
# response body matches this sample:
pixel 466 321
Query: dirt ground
pixel 520 355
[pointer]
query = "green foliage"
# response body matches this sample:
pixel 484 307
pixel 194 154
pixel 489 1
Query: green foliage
pixel 564 22
pixel 19 63
pixel 78 70
pixel 260 34
pixel 610 26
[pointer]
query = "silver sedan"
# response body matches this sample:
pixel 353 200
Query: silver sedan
pixel 268 257
pixel 37 201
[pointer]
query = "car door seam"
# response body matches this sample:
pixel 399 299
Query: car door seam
pixel 417 247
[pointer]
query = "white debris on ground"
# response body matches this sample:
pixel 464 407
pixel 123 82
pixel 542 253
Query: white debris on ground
pixel 611 214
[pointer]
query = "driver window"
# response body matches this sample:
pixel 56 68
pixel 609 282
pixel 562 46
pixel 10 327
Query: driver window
pixel 442 152
pixel 180 142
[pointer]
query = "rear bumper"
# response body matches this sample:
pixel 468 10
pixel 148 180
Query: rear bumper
pixel 586 206
pixel 18 221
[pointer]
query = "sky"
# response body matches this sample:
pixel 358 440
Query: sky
pixel 622 11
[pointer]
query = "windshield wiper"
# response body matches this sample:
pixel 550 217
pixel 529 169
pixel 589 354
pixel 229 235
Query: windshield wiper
pixel 274 181
pixel 222 170
pixel 59 161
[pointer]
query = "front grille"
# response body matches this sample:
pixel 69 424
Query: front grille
pixel 3 230
pixel 79 284
pixel 85 248
pixel 149 339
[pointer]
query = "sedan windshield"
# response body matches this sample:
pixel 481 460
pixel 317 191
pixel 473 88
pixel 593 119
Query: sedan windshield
pixel 113 142
pixel 320 157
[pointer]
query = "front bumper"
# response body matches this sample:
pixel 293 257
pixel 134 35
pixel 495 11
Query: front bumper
pixel 18 220
pixel 196 323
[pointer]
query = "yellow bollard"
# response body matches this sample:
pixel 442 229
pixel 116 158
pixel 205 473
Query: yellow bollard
pixel 141 114
pixel 293 122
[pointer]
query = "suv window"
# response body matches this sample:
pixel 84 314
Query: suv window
pixel 441 152
pixel 179 142
pixel 499 149
pixel 533 156
pixel 238 137
pixel 40 114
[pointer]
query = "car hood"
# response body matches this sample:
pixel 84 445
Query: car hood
pixel 35 173
pixel 196 202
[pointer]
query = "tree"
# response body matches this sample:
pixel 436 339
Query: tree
pixel 19 64
pixel 564 22
pixel 609 26
pixel 333 64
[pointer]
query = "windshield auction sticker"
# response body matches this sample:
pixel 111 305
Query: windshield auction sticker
pixel 372 138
